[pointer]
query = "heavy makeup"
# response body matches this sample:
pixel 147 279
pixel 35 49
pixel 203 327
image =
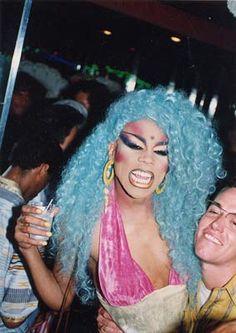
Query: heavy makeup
pixel 140 158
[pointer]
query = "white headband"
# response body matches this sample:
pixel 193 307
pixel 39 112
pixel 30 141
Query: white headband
pixel 75 105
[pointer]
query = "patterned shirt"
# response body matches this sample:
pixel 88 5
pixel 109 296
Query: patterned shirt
pixel 219 307
pixel 17 300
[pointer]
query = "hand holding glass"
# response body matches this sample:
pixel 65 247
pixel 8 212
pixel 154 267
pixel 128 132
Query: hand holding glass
pixel 47 215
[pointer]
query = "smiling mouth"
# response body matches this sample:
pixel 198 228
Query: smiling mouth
pixel 140 178
pixel 213 239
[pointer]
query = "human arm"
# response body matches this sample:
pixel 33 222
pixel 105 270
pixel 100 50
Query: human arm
pixel 51 285
pixel 105 322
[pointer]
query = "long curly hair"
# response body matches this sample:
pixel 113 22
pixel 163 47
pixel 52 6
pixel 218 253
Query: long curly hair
pixel 194 165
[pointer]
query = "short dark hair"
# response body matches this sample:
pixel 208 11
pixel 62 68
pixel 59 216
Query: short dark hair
pixel 58 120
pixel 223 185
pixel 31 151
pixel 25 82
pixel 99 97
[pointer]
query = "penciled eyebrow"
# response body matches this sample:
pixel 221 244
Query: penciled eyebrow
pixel 160 143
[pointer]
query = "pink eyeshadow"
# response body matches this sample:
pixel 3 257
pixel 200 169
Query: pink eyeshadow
pixel 134 128
pixel 164 138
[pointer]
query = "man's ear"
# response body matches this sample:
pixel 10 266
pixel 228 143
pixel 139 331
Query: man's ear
pixel 43 168
pixel 111 150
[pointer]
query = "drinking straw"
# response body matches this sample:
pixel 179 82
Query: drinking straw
pixel 49 205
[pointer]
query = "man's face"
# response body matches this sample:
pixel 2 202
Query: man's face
pixel 140 158
pixel 215 240
pixel 21 102
pixel 83 98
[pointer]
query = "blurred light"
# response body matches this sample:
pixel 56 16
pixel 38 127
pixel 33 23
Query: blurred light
pixel 107 32
pixel 171 87
pixel 131 83
pixel 175 39
pixel 193 96
pixel 202 100
pixel 212 106
pixel 78 67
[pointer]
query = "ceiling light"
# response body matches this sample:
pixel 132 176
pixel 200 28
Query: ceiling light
pixel 107 32
pixel 175 39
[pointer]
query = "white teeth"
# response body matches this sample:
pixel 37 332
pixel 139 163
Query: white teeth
pixel 212 239
pixel 139 176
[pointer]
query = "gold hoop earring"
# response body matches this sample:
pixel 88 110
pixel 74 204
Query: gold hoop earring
pixel 160 188
pixel 108 172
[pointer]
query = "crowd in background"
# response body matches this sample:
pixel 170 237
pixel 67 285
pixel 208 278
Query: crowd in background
pixel 39 117
pixel 72 112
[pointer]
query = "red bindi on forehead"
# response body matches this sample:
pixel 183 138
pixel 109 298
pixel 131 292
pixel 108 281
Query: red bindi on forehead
pixel 162 138
pixel 139 129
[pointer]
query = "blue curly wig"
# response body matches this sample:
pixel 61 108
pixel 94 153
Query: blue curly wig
pixel 194 165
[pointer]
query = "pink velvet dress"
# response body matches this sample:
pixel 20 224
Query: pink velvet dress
pixel 126 292
pixel 122 280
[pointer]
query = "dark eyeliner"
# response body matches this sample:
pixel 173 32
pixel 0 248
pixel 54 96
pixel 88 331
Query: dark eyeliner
pixel 162 152
pixel 124 138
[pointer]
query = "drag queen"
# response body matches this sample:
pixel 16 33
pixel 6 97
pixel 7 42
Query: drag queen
pixel 129 202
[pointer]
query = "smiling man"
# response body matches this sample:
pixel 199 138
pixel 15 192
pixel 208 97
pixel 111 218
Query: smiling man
pixel 215 245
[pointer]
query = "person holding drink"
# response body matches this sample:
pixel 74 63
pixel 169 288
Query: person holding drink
pixel 35 159
pixel 46 214
pixel 129 202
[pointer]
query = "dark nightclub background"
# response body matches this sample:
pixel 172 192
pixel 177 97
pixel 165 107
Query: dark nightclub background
pixel 69 35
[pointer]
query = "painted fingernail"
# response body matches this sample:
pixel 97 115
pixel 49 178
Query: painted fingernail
pixel 46 224
pixel 43 243
pixel 49 234
pixel 39 211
